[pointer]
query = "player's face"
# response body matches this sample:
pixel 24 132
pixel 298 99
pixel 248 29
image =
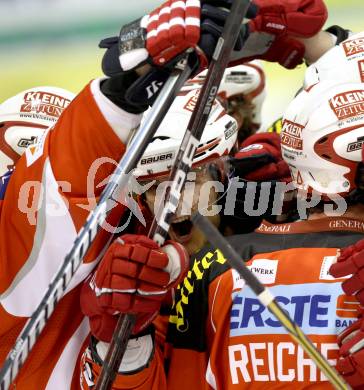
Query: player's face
pixel 197 195
pixel 241 108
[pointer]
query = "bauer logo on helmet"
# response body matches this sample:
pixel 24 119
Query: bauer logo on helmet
pixel 357 145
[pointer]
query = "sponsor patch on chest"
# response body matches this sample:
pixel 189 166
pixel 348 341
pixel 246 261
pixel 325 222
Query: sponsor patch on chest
pixel 264 269
pixel 314 307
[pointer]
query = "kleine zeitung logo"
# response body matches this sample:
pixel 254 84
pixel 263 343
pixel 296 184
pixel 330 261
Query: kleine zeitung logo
pixel 348 104
pixel 353 46
pixel 191 104
pixel 291 134
pixel 45 103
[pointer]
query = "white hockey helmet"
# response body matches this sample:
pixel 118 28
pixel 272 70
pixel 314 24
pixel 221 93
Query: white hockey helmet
pixel 24 117
pixel 218 138
pixel 246 81
pixel 322 137
pixel 343 63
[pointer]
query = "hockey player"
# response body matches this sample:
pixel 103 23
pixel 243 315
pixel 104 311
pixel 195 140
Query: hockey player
pixel 242 93
pixel 348 57
pixel 44 204
pixel 97 124
pixel 219 335
pixel 209 168
pixel 240 82
pixel 244 90
pixel 207 175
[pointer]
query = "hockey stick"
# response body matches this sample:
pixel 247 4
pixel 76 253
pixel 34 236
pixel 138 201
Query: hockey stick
pixel 267 299
pixel 182 165
pixel 92 226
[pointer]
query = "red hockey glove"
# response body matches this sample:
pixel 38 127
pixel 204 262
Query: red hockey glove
pixel 172 28
pixel 134 276
pixel 351 262
pixel 297 18
pixel 273 33
pixel 260 159
pixel 351 354
pixel 159 40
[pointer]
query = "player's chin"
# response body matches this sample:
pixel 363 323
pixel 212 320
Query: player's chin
pixel 187 235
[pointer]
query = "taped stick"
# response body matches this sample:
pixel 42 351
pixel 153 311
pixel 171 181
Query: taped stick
pixel 267 299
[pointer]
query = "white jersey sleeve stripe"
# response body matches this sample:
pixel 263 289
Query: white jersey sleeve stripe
pixel 119 120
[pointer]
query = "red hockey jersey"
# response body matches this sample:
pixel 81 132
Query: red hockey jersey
pixel 221 337
pixel 47 200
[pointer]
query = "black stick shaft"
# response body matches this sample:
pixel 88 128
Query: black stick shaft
pixel 115 354
pixel 198 120
pixel 183 162
pixel 267 299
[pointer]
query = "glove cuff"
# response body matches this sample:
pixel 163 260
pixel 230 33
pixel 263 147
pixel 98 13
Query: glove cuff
pixel 116 88
pixel 138 354
pixel 340 33
pixel 178 261
pixel 132 44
